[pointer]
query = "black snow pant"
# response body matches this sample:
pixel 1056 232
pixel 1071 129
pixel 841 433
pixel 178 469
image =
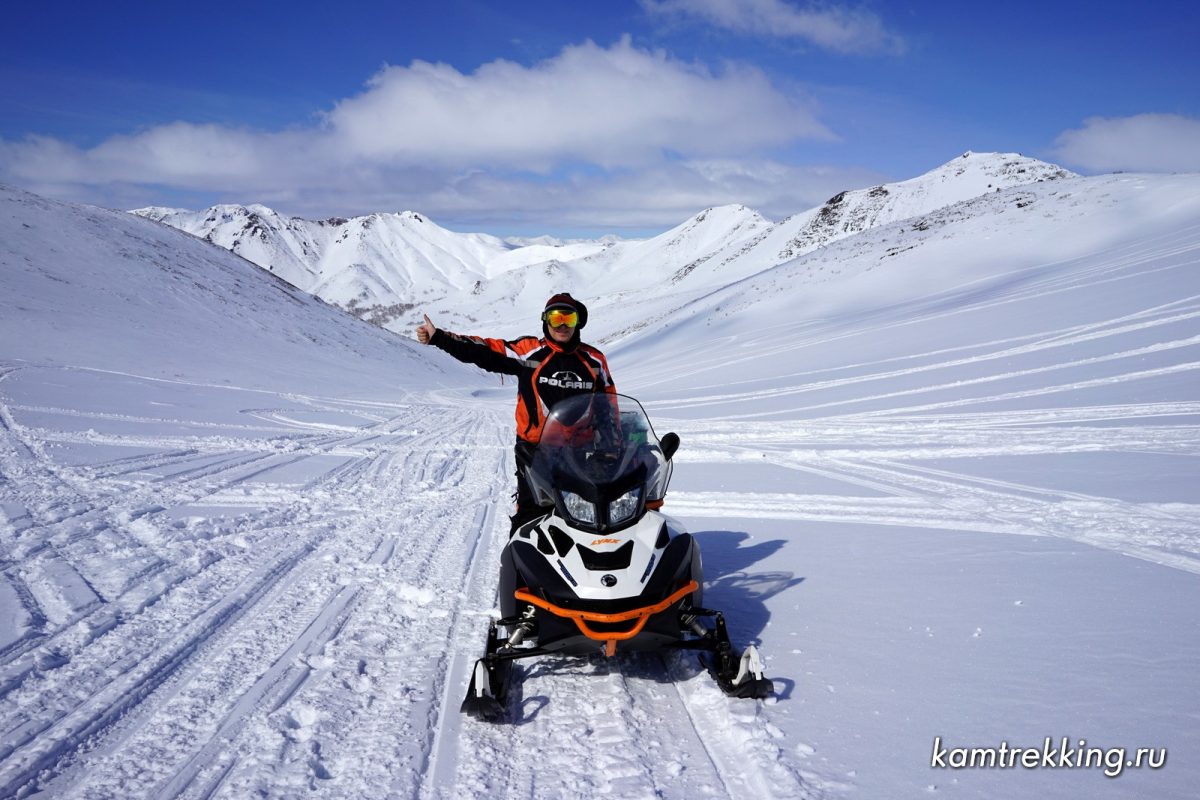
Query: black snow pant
pixel 527 507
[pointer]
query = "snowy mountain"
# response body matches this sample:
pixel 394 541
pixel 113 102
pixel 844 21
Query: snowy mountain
pixel 387 268
pixel 379 267
pixel 848 213
pixel 1051 261
pixel 88 287
pixel 942 469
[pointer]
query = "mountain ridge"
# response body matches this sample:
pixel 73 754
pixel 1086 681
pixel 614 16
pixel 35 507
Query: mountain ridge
pixel 385 267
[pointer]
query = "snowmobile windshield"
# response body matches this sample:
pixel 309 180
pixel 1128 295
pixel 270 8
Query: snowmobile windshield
pixel 599 449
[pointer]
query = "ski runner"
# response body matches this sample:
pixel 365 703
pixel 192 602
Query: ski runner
pixel 548 369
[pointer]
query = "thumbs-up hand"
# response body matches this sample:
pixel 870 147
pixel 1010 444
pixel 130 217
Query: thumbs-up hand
pixel 426 330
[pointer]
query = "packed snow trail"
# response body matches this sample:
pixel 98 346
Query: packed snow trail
pixel 149 685
pixel 272 600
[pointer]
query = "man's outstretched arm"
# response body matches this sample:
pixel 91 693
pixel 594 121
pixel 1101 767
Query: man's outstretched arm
pixel 470 350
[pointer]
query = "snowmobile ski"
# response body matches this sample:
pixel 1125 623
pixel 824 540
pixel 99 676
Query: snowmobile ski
pixel 487 696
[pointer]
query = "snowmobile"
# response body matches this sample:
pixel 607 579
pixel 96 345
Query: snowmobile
pixel 601 568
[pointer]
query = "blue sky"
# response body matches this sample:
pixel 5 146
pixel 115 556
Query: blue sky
pixel 577 117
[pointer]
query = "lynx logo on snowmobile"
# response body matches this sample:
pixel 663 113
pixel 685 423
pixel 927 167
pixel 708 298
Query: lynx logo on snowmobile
pixel 565 380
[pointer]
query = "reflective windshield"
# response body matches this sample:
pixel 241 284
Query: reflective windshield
pixel 598 444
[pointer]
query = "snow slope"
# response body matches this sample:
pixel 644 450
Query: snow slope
pixel 86 287
pixel 942 470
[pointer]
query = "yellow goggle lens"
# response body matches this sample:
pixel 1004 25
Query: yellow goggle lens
pixel 555 318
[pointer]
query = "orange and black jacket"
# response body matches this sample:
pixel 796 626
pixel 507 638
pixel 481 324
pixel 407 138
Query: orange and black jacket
pixel 546 371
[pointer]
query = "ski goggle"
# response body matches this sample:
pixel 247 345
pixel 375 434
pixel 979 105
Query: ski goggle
pixel 556 317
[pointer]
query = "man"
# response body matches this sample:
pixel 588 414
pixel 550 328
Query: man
pixel 549 368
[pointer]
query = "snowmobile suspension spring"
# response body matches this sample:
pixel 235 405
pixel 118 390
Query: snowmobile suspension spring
pixel 523 628
pixel 692 623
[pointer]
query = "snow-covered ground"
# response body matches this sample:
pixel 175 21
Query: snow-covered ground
pixel 943 473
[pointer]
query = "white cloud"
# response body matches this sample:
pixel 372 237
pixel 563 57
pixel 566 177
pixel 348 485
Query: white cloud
pixel 1141 143
pixel 835 28
pixel 429 137
pixel 180 155
pixel 616 106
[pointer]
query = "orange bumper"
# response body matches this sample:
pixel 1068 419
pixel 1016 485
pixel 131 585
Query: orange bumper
pixel 609 638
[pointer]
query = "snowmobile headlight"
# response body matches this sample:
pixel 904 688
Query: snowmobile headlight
pixel 624 506
pixel 579 508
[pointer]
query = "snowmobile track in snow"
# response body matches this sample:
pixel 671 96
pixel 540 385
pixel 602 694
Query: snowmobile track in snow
pixel 252 655
pixel 110 714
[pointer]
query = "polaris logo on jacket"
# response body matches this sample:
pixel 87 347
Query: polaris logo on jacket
pixel 565 380
pixel 546 372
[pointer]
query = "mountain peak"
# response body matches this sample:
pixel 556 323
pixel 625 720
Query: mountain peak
pixel 1011 169
pixel 726 213
pixel 965 177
